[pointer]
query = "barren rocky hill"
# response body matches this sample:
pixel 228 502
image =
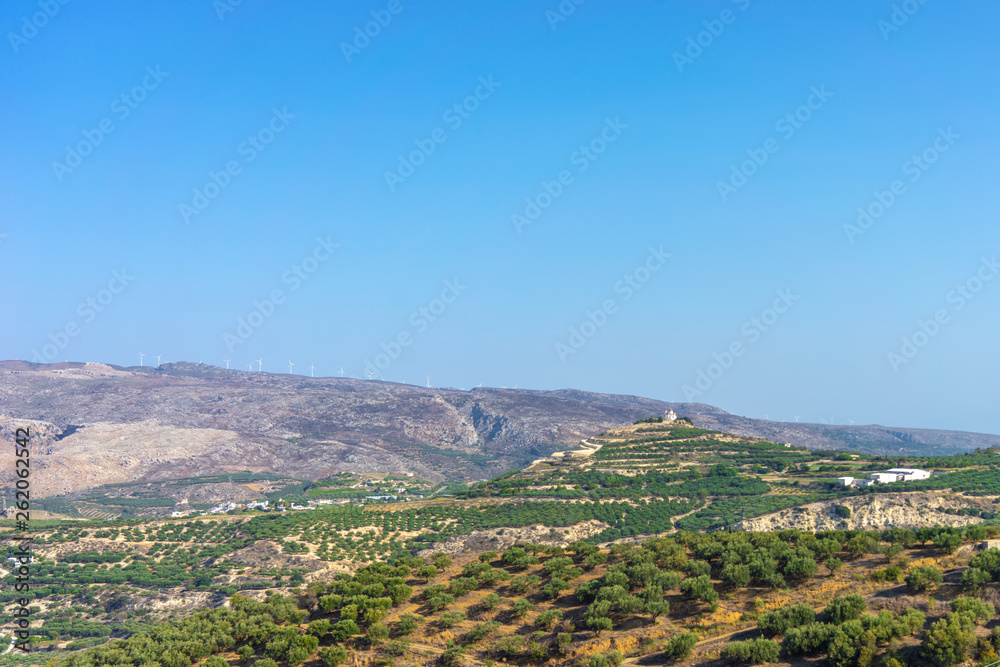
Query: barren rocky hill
pixel 97 424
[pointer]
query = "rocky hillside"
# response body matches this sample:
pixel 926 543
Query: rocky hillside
pixel 97 424
pixel 872 512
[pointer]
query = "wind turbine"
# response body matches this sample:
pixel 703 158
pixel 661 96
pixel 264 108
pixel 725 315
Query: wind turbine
pixel 796 420
pixel 227 363
pixel 428 381
pixel 312 370
pixel 341 371
pixel 290 364
pixel 260 364
pixel 370 374
pixel 158 359
pixel 141 355
pixel 480 384
pixel 250 367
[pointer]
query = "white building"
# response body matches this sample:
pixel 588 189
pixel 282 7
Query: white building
pixel 898 475
pixel 909 474
pixel 671 416
pixel 845 481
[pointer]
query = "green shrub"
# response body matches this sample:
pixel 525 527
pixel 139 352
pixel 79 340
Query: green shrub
pixel 377 633
pixel 520 608
pixel 609 659
pixel 480 630
pixel 548 618
pixel 974 578
pixel 753 651
pixel 808 639
pixel 843 511
pixel 842 609
pixel 778 622
pixel 408 624
pixel 922 578
pixel 949 640
pixel 699 588
pixel 976 609
pixel 450 619
pixel 680 645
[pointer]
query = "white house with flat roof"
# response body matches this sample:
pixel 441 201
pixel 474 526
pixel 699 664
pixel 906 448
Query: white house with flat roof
pixel 898 475
pixel 909 474
pixel 845 481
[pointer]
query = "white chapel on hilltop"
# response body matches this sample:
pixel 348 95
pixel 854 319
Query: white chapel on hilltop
pixel 671 416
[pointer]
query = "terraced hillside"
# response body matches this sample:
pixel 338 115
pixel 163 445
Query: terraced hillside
pixel 853 597
pixel 685 488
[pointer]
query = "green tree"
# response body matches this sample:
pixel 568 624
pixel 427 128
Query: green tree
pixel 922 578
pixel 332 656
pixel 843 609
pixel 699 588
pixel 948 541
pixel 408 624
pixel 520 608
pixel 599 624
pixel 949 640
pixel 978 610
pixel 973 578
pixel 753 651
pixel 779 621
pixel 680 645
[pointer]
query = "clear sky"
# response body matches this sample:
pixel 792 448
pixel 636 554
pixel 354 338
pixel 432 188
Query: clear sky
pixel 468 184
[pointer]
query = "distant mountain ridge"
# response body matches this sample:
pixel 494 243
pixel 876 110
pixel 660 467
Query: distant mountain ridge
pixel 100 424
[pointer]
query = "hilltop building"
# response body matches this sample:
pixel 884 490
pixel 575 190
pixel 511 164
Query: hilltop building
pixel 670 415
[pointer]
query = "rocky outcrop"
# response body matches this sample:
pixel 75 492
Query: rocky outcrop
pixel 871 512
pixel 498 539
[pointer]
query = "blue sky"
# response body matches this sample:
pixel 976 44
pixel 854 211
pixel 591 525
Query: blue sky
pixel 615 123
